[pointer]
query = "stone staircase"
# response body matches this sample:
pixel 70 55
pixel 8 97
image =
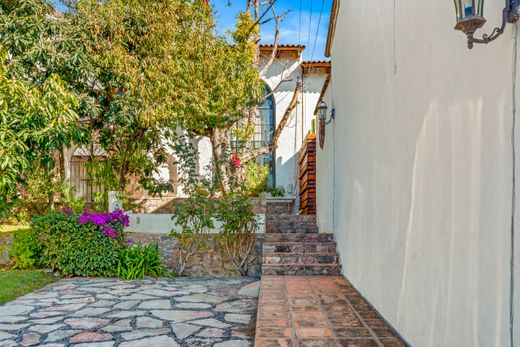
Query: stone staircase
pixel 293 246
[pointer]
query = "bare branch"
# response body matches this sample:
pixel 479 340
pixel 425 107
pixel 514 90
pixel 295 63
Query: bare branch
pixel 283 122
pixel 274 53
pixel 258 16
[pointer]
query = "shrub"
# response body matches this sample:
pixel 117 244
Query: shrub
pixel 278 192
pixel 84 245
pixel 256 177
pixel 26 250
pixel 42 192
pixel 137 261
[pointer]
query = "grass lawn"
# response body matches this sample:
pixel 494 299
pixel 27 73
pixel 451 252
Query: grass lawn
pixel 16 283
pixel 7 228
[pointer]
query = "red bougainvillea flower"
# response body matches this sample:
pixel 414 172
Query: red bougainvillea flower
pixel 235 160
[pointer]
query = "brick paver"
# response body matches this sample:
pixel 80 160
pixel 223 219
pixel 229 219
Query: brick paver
pixel 317 311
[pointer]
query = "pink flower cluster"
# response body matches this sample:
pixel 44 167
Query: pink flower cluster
pixel 109 232
pixel 67 210
pixel 106 220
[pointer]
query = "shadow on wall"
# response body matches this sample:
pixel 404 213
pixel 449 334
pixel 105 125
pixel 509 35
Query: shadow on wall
pixel 424 212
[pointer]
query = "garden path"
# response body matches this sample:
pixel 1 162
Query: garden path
pixel 149 312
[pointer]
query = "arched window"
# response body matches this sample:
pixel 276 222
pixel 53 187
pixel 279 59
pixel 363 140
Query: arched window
pixel 264 131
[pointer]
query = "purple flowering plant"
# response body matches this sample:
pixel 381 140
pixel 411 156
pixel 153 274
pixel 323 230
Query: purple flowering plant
pixel 112 223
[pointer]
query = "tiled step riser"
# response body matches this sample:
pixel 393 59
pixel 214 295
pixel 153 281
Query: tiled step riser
pixel 300 259
pixel 291 230
pixel 307 237
pixel 291 218
pixel 300 270
pixel 299 247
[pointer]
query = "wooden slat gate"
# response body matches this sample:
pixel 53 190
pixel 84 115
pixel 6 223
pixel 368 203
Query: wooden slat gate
pixel 307 175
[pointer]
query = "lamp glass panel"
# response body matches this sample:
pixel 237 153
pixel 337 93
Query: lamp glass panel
pixel 458 8
pixel 480 8
pixel 468 8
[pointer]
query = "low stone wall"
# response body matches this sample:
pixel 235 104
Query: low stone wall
pixel 6 242
pixel 205 263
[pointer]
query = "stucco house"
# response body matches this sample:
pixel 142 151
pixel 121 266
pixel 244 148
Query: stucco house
pixel 280 79
pixel 417 175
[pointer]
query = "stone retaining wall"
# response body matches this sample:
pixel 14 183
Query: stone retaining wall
pixel 205 263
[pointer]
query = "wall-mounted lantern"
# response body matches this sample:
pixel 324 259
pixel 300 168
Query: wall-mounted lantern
pixel 470 18
pixel 322 114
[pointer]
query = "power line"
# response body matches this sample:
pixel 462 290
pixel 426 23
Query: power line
pixel 310 22
pixel 300 26
pixel 317 29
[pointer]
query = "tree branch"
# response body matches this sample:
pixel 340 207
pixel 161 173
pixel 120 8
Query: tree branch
pixel 276 136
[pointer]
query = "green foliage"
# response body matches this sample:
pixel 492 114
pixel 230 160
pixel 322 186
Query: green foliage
pixel 75 248
pixel 137 261
pixel 204 210
pixel 276 192
pixel 37 107
pixel 16 283
pixel 256 177
pixel 26 250
pixel 43 192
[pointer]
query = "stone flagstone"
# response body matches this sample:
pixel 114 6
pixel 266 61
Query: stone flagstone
pixel 182 330
pixel 146 322
pixel 107 312
pixel 177 316
pixel 119 326
pixel 211 322
pixel 155 305
pixel 140 333
pixel 158 341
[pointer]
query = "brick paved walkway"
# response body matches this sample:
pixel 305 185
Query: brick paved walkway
pixel 317 311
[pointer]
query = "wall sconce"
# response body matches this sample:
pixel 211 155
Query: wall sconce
pixel 470 18
pixel 322 114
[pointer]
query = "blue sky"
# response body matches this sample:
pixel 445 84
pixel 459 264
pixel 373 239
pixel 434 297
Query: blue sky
pixel 292 31
pixel 302 25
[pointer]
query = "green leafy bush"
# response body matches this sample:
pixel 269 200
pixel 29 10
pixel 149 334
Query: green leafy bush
pixel 26 250
pixel 44 190
pixel 256 177
pixel 278 192
pixel 86 245
pixel 137 261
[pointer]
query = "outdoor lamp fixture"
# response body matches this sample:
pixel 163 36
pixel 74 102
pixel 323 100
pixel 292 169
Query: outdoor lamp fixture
pixel 322 114
pixel 470 18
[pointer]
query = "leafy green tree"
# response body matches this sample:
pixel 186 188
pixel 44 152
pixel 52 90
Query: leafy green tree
pixel 37 107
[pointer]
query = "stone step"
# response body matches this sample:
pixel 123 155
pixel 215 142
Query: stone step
pixel 298 237
pixel 299 247
pixel 301 269
pixel 299 258
pixel 289 230
pixel 302 218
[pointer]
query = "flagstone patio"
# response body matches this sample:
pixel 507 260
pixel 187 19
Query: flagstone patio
pixel 111 312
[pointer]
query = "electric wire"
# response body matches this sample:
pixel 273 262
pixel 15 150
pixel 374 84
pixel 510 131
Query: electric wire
pixel 317 29
pixel 513 196
pixel 310 23
pixel 300 25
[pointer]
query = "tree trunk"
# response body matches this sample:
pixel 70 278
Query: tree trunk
pixel 219 145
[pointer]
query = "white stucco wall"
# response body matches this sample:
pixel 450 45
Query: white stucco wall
pixel 325 167
pixel 300 122
pixel 423 169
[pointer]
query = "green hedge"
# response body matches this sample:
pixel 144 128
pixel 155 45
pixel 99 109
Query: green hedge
pixel 75 248
pixel 90 245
